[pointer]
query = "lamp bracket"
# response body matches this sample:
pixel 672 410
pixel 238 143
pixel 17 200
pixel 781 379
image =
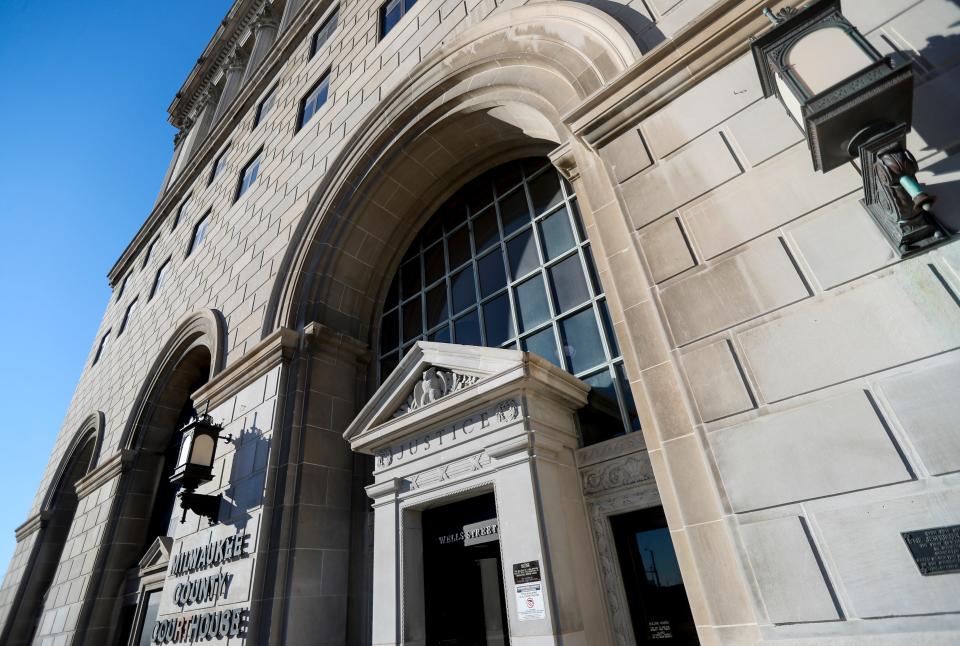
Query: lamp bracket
pixel 903 215
pixel 200 504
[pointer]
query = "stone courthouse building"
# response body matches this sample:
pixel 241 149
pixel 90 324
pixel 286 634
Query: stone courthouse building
pixel 525 323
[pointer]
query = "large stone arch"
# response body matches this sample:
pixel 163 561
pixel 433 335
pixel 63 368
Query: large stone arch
pixel 52 526
pixel 194 353
pixel 497 91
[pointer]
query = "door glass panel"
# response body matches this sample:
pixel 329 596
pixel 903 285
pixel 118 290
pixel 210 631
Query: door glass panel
pixel 651 578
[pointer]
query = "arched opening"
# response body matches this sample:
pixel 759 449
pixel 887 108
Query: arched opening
pixel 505 262
pixel 157 447
pixel 59 511
pixel 145 508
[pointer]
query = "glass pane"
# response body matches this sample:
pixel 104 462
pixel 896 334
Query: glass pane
pixel 479 193
pixel 410 277
pixel 581 341
pixel 592 270
pixel 492 274
pixel 387 364
pixel 513 212
pixel 466 329
pixel 578 221
pixel 440 335
pixel 556 234
pixel 437 305
pixel 433 267
pixel 628 402
pixel 393 293
pixel 454 214
pixel 390 332
pixel 600 419
pixel 506 177
pixel 567 285
pixel 462 291
pixel 545 192
pixel 485 231
pixel 432 231
pixel 497 321
pixel 412 327
pixel 458 246
pixel 612 344
pixel 522 253
pixel 407 4
pixel 149 619
pixel 532 308
pixel 543 343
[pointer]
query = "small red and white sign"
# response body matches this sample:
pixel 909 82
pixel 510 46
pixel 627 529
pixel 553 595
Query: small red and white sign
pixel 530 601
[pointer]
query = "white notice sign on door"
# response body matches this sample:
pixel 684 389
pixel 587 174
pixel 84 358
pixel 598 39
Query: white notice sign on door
pixel 530 601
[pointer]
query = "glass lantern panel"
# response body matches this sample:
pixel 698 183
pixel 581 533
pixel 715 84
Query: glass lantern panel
pixel 824 57
pixel 202 452
pixel 184 455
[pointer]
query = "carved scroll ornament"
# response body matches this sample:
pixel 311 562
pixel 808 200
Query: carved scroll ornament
pixel 435 384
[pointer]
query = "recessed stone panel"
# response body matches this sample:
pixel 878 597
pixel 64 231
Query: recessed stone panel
pixel 763 130
pixel 666 249
pixel 925 404
pixel 626 155
pixel 766 197
pixel 791 584
pixel 688 174
pixel 879 575
pixel 819 449
pixel 841 242
pixel 702 107
pixel 760 279
pixel 716 381
pixel 873 325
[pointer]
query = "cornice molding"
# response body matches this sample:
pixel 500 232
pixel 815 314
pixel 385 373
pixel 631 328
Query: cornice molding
pixel 31 525
pixel 286 42
pixel 108 469
pixel 713 40
pixel 222 46
pixel 278 347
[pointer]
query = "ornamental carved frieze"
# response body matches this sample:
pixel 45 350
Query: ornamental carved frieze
pixel 630 469
pixel 434 384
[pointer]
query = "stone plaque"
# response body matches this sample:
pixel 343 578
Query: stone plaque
pixel 935 550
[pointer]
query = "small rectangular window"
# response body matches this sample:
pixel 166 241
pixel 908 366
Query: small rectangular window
pixel 199 233
pixel 182 212
pixel 314 100
pixel 104 340
pixel 146 257
pixel 131 310
pixel 249 174
pixel 323 34
pixel 123 287
pixel 161 278
pixel 391 12
pixel 265 106
pixel 219 165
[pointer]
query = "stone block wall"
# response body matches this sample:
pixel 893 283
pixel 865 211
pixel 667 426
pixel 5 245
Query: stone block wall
pixel 802 415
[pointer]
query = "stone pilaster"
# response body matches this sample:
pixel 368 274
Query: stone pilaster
pixel 234 68
pixel 264 34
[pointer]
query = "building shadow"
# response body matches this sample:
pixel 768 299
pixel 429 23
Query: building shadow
pixel 641 28
pixel 248 473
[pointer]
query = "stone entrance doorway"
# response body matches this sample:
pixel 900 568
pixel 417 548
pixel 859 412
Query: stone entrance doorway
pixel 459 432
pixel 462 575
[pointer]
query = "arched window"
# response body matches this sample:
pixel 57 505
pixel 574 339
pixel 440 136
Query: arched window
pixel 505 262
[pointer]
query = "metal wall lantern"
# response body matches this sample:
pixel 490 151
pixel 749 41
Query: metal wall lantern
pixel 198 449
pixel 852 103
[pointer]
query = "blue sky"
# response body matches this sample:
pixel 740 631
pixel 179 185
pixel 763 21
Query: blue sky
pixel 85 144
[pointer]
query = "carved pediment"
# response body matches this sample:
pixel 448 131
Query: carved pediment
pixel 157 555
pixel 435 383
